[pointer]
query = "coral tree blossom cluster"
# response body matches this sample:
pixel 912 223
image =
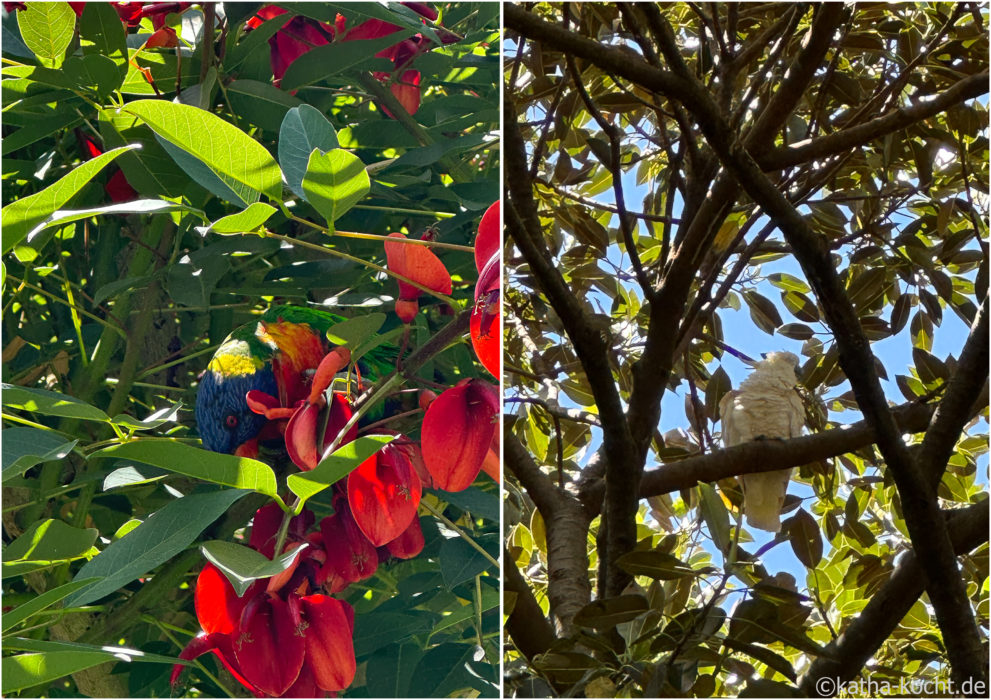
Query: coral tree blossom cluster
pixel 459 434
pixel 287 635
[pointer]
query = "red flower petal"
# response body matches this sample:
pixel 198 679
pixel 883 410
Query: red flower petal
pixel 218 608
pixel 418 263
pixel 340 414
pixel 370 29
pixel 422 8
pixel 301 437
pixel 487 241
pixel 329 645
pixel 384 493
pixel 261 403
pixel 406 309
pixel 265 13
pixel 165 36
pixel 350 556
pixel 457 429
pixel 409 543
pixel 407 91
pixel 332 363
pixel 219 644
pixel 297 37
pixel 415 455
pixel 305 685
pixel 485 337
pixel 269 646
pixel 266 524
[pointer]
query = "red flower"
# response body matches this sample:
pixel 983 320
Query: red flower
pixel 350 556
pixel 409 543
pixel 457 433
pixel 268 645
pixel 165 36
pixel 302 34
pixel 303 405
pixel 384 492
pixel 487 240
pixel 328 637
pixel 275 639
pixel 484 328
pixel 420 264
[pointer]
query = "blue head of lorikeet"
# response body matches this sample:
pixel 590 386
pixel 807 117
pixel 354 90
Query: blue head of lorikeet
pixel 225 422
pixel 275 355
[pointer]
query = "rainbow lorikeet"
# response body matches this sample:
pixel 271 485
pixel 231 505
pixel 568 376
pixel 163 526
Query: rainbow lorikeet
pixel 276 355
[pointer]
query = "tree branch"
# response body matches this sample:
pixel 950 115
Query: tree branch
pixel 955 408
pixel 760 456
pixel 968 528
pixel 539 486
pixel 862 134
pixel 623 468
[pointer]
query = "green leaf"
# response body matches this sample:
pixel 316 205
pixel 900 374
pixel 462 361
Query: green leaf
pixel 334 182
pixel 460 562
pixel 442 671
pixel 156 419
pixel 716 516
pixel 244 221
pixel 150 171
pixel 164 534
pixel 26 670
pixel 355 331
pixel 39 129
pixel 41 602
pixel 50 540
pixel 163 72
pixel 256 40
pixel 775 661
pixel 490 600
pixel 606 613
pixel 789 283
pixel 390 669
pixel 101 25
pixel 236 159
pixel 132 475
pixel 655 564
pixel 21 216
pixel 304 129
pixel 112 289
pixel 49 403
pixel 226 470
pixel 47 28
pixel 192 279
pixel 139 206
pixel 375 341
pixel 95 73
pixel 261 104
pixel 335 58
pixel 24 447
pixel 243 565
pixel 428 155
pixel 119 653
pixel 481 504
pixel 806 538
pixel 335 467
pixel 379 629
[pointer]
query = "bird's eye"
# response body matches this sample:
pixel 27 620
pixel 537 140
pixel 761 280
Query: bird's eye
pixel 231 420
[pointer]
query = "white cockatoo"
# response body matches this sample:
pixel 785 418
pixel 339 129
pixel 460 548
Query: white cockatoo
pixel 766 405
